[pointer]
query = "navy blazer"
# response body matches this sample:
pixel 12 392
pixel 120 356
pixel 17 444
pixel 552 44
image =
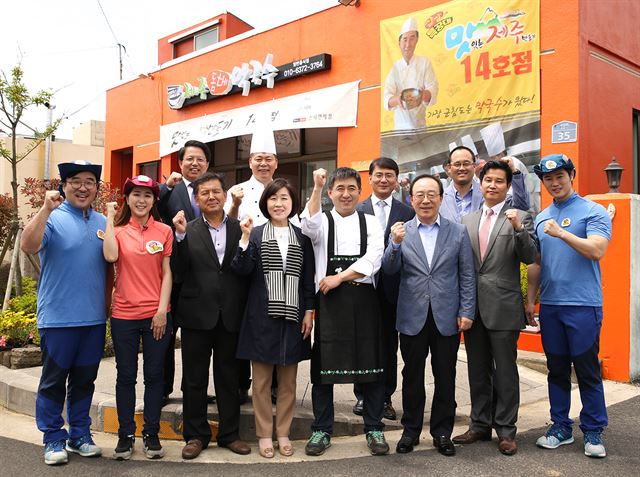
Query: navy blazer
pixel 174 200
pixel 448 285
pixel 388 284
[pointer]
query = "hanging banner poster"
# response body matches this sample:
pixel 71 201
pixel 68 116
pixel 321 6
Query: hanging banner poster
pixel 465 72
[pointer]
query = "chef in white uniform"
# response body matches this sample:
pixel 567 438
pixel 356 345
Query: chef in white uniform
pixel 412 71
pixel 243 198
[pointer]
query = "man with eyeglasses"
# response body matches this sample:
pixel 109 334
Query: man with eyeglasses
pixel 177 195
pixel 436 301
pixel 464 194
pixel 383 177
pixel 72 303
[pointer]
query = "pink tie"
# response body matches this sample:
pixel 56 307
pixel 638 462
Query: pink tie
pixel 484 233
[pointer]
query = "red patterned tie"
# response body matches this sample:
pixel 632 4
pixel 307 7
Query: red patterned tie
pixel 484 233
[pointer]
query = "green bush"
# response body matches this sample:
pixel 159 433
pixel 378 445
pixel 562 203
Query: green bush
pixel 18 324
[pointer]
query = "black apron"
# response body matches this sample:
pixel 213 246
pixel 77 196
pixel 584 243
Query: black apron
pixel 347 345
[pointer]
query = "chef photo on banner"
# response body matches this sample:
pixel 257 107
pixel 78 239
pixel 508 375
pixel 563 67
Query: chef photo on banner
pixel 411 85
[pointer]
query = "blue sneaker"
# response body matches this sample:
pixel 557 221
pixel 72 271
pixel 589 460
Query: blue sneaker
pixel 55 453
pixel 593 445
pixel 84 446
pixel 555 437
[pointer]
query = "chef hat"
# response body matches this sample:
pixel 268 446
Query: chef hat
pixel 263 141
pixel 493 138
pixel 467 141
pixel 452 146
pixel 410 24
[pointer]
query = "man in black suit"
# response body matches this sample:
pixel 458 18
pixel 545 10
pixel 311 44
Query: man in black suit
pixel 177 195
pixel 210 308
pixel 383 177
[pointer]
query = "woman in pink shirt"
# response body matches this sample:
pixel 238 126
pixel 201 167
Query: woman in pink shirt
pixel 140 246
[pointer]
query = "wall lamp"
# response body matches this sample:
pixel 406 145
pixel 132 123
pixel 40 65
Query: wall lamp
pixel 614 173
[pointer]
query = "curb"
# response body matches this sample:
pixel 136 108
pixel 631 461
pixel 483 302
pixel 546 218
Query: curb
pixel 18 394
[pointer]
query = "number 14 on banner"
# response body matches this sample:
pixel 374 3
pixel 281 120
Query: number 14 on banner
pixel 517 63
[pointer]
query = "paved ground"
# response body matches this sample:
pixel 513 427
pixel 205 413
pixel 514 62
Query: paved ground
pixel 482 459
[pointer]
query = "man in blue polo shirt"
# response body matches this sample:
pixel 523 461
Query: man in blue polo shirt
pixel 573 234
pixel 68 235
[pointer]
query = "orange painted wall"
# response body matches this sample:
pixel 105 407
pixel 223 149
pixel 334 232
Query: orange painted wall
pixel 616 286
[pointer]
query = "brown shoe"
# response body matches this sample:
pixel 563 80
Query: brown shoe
pixel 470 437
pixel 192 449
pixel 507 445
pixel 237 446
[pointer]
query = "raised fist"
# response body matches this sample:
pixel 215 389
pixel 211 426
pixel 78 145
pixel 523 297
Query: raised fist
pixel 319 178
pixel 112 208
pixel 174 179
pixel 180 222
pixel 52 200
pixel 512 216
pixel 246 225
pixel 397 232
pixel 237 194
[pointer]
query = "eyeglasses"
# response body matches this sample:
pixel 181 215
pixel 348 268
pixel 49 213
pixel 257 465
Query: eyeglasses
pixel 380 175
pixel 420 196
pixel 76 184
pixel 199 160
pixel 461 165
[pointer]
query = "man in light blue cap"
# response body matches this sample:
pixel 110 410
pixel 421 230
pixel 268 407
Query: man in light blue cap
pixel 67 233
pixel 573 234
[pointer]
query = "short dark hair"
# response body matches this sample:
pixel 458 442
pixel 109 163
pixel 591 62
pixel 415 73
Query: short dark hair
pixel 206 177
pixel 458 148
pixel 272 189
pixel 194 143
pixel 427 176
pixel 342 173
pixel 503 166
pixel 384 163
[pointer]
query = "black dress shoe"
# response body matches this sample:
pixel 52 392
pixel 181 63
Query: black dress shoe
pixel 444 445
pixel 405 444
pixel 389 411
pixel 243 396
pixel 358 407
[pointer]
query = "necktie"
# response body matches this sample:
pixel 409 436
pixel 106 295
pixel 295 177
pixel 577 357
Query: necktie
pixel 484 233
pixel 380 213
pixel 194 205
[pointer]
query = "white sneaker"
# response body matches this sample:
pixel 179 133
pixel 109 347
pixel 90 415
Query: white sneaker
pixel 593 445
pixel 55 453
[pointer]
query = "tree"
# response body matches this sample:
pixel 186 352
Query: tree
pixel 14 101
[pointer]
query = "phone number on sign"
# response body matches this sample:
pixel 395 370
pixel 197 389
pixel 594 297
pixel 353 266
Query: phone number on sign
pixel 302 69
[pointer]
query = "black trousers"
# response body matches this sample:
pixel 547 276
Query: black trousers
pixel 493 378
pixel 390 344
pixel 444 351
pixel 197 347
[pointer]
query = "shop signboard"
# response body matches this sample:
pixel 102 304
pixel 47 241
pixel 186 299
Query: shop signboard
pixel 459 73
pixel 242 79
pixel 332 107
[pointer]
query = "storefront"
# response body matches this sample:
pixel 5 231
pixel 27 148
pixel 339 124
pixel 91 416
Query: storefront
pixel 579 91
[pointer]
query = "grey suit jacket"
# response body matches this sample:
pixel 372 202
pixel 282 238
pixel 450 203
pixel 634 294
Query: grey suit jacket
pixel 498 276
pixel 448 285
pixel 519 200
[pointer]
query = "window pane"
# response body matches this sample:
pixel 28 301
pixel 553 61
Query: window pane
pixel 207 38
pixel 150 169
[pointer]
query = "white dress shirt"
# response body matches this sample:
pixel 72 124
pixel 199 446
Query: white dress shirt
pixel 347 242
pixel 376 206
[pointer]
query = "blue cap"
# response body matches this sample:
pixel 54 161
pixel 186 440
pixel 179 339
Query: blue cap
pixel 72 168
pixel 552 163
